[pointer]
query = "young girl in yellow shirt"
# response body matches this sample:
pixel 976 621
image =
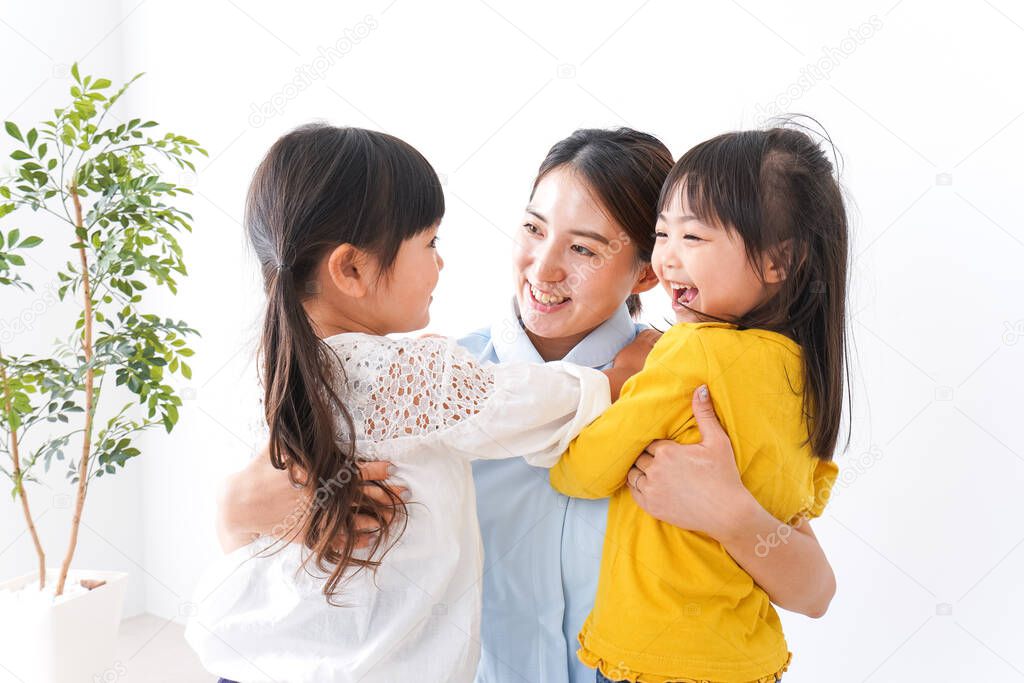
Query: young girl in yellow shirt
pixel 752 247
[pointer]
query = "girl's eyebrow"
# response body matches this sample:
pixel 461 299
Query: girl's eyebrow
pixel 682 219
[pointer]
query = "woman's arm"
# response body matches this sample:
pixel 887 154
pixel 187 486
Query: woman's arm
pixel 260 500
pixel 697 487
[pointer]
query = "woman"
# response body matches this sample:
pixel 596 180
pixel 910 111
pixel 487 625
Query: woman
pixel 580 263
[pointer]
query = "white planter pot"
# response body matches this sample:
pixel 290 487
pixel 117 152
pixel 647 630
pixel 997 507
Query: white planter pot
pixel 70 639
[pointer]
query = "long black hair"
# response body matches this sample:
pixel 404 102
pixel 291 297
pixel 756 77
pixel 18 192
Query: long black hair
pixel 317 188
pixel 777 189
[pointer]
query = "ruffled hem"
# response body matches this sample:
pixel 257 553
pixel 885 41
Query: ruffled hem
pixel 619 672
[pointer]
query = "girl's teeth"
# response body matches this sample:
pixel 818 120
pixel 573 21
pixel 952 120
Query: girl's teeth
pixel 686 294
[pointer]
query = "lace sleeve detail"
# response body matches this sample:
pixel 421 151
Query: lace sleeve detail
pixel 412 387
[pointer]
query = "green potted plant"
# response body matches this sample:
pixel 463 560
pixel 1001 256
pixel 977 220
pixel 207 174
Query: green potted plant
pixel 99 182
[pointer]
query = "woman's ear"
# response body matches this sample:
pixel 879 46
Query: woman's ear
pixel 348 269
pixel 645 280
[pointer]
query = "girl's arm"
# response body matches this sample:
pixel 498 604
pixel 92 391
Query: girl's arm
pixel 697 487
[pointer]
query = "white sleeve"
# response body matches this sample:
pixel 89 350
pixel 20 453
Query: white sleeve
pixel 438 390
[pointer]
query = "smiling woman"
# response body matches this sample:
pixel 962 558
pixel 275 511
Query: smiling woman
pixel 586 237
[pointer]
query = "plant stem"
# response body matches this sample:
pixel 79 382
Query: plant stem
pixel 20 484
pixel 83 464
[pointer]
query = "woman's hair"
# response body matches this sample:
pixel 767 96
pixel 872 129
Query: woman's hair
pixel 776 188
pixel 317 188
pixel 624 169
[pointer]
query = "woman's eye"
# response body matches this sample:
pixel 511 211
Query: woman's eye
pixel 692 238
pixel 658 234
pixel 580 249
pixel 531 228
pixel 433 242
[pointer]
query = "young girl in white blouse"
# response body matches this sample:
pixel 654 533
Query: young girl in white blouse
pixel 344 223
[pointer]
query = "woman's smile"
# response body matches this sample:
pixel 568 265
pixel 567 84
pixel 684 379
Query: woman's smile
pixel 545 301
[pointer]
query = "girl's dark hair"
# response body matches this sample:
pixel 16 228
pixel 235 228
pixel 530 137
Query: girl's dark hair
pixel 625 170
pixel 317 188
pixel 777 190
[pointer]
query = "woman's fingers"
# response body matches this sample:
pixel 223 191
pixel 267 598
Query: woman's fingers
pixel 634 474
pixel 375 470
pixel 381 496
pixel 644 461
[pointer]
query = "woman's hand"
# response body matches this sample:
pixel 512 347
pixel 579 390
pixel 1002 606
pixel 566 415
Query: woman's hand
pixel 692 486
pixel 698 487
pixel 260 500
pixel 630 360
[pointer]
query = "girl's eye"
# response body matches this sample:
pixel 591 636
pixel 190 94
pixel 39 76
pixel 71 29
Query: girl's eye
pixel 692 238
pixel 433 242
pixel 658 234
pixel 580 249
pixel 531 228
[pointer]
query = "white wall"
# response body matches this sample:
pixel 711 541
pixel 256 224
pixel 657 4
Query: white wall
pixel 37 53
pixel 924 104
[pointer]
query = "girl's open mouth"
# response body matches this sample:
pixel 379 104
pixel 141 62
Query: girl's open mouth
pixel 683 295
pixel 544 301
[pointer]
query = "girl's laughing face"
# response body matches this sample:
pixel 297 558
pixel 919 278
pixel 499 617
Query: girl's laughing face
pixel 704 268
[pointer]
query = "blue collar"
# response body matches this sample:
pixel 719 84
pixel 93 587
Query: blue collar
pixel 596 350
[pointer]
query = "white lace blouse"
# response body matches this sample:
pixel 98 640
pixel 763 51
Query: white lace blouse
pixel 429 407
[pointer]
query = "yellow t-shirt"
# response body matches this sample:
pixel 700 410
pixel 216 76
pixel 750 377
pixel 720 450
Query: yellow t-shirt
pixel 672 604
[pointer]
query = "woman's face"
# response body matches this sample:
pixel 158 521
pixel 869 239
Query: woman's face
pixel 574 266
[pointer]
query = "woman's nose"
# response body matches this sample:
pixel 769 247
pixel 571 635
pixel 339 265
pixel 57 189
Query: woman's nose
pixel 547 267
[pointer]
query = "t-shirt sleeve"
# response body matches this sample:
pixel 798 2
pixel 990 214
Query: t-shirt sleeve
pixel 656 403
pixel 825 474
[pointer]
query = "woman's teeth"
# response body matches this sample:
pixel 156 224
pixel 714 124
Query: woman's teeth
pixel 547 299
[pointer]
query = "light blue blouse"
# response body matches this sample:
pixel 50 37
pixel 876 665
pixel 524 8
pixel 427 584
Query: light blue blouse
pixel 542 550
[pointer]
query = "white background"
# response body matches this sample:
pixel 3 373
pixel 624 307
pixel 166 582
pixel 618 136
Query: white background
pixel 924 103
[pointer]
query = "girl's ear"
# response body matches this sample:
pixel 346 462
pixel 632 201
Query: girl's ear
pixel 348 268
pixel 646 280
pixel 776 263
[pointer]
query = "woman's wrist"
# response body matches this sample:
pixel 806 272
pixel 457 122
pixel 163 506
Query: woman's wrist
pixel 743 518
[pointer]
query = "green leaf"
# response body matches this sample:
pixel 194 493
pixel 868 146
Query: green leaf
pixel 101 83
pixel 30 242
pixel 74 72
pixel 31 137
pixel 13 131
pixel 20 154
